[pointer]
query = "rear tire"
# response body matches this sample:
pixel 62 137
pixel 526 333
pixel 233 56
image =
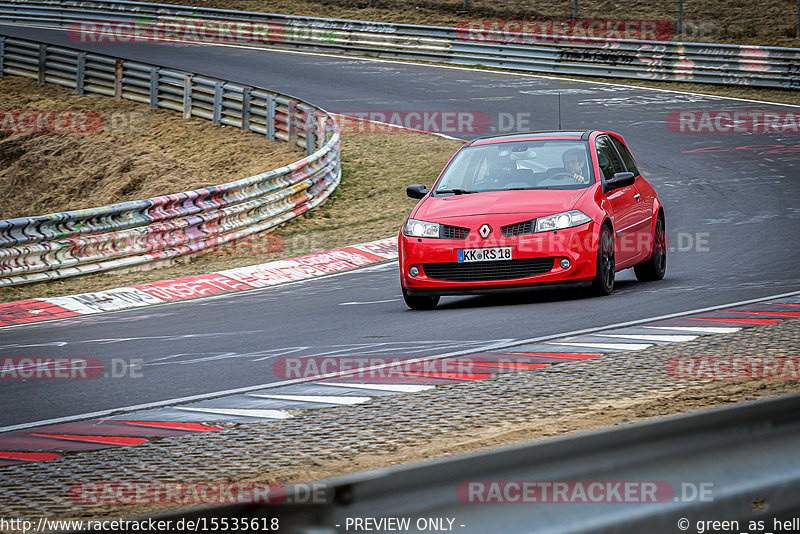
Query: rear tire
pixel 603 283
pixel 656 265
pixel 417 302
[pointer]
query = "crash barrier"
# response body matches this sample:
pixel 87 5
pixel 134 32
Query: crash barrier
pixel 682 473
pixel 137 233
pixel 122 21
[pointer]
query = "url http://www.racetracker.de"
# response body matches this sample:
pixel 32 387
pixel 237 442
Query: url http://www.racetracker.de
pixel 199 524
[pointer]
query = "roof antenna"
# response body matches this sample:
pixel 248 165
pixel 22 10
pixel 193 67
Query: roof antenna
pixel 559 110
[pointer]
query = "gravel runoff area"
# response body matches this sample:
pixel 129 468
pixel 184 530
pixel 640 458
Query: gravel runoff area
pixel 390 430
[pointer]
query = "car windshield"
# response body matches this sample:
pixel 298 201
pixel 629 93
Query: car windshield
pixel 541 164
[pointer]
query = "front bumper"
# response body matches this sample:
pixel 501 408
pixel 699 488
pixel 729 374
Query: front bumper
pixel 578 245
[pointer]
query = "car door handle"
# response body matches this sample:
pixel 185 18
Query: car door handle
pixel 637 196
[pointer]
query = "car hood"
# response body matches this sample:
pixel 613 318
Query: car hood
pixel 533 202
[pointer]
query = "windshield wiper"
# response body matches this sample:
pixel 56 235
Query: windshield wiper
pixel 456 191
pixel 536 188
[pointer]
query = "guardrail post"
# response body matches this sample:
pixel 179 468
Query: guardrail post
pixel 118 80
pixel 329 129
pixel 42 62
pixel 80 74
pixel 187 96
pixel 679 25
pixel 153 87
pixel 2 53
pixel 270 117
pixel 309 128
pixel 216 113
pixel 291 120
pixel 245 109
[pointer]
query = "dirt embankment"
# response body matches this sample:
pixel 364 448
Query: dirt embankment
pixel 109 152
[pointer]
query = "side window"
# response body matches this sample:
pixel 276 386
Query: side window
pixel 626 156
pixel 607 157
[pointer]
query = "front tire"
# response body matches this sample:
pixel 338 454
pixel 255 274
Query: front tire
pixel 656 265
pixel 603 283
pixel 416 302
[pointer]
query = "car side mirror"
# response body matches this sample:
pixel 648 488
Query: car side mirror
pixel 620 179
pixel 417 191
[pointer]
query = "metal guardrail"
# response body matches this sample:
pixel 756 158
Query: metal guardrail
pixel 735 463
pixel 130 234
pixel 757 66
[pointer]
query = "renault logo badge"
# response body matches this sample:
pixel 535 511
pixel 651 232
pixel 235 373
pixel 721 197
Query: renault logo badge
pixel 485 231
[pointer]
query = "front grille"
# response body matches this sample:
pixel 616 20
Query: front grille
pixel 454 232
pixel 481 271
pixel 513 230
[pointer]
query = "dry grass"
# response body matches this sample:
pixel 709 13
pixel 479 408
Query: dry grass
pixel 764 22
pixel 156 154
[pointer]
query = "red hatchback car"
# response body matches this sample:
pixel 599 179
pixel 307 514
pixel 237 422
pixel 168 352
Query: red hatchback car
pixel 518 210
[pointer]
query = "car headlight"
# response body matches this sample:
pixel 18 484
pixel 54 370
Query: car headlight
pixel 415 228
pixel 559 221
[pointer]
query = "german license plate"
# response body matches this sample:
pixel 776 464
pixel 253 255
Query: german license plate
pixel 484 254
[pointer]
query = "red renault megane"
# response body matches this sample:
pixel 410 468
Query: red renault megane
pixel 518 210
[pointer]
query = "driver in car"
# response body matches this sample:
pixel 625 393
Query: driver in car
pixel 574 163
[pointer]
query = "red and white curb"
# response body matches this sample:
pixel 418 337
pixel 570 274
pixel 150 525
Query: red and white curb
pixel 203 285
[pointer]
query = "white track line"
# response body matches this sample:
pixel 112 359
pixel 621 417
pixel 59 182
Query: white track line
pixel 402 388
pixel 260 414
pixel 604 346
pixel 649 337
pixel 322 399
pixel 698 329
